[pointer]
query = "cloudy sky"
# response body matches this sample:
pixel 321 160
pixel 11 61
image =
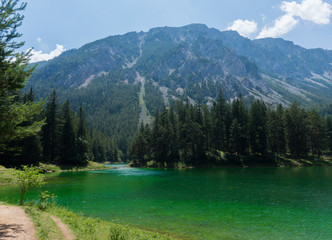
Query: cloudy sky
pixel 51 27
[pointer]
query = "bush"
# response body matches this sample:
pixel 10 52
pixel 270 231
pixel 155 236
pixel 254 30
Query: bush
pixel 27 178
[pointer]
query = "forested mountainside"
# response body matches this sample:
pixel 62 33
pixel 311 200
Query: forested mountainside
pixel 122 80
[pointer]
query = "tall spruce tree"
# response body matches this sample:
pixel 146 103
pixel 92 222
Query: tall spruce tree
pixel 295 119
pixel 31 150
pixel 316 132
pixel 51 131
pixel 258 128
pixel 219 122
pixel 14 71
pixel 276 131
pixel 241 115
pixel 67 154
pixel 329 132
pixel 81 139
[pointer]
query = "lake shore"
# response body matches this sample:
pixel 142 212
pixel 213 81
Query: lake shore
pixel 59 223
pixel 252 161
pixel 6 176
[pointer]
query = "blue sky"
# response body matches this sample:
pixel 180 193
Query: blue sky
pixel 51 26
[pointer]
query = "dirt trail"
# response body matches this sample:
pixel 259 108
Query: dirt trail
pixel 67 233
pixel 15 224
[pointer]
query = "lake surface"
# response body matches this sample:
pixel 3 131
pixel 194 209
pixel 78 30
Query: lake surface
pixel 228 203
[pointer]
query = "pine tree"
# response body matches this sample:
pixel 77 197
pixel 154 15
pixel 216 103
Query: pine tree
pixel 31 151
pixel 295 120
pixel 257 128
pixel 329 133
pixel 67 141
pixel 50 130
pixel 235 137
pixel 139 148
pixel 81 139
pixel 241 115
pixel 14 72
pixel 218 131
pixel 316 132
pixel 276 131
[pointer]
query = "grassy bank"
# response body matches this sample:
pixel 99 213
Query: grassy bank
pixel 85 228
pixel 46 167
pixel 6 176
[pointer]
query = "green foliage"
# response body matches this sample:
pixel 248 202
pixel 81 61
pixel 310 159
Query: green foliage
pixel 295 119
pixel 18 121
pixel 192 135
pixel 67 155
pixel 27 179
pixel 329 133
pixel 46 199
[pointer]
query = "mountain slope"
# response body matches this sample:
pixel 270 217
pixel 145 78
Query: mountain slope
pixel 120 80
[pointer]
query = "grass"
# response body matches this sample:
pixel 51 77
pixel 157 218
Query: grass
pixel 6 176
pixel 45 226
pixel 46 167
pixel 85 228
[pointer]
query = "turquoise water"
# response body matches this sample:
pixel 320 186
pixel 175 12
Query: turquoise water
pixel 229 203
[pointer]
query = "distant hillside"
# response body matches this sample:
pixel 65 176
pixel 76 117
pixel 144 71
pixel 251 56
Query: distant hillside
pixel 121 80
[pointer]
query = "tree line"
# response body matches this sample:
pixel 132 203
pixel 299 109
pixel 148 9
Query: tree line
pixel 225 133
pixel 63 138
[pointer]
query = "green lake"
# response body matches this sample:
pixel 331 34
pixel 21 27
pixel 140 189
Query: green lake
pixel 225 203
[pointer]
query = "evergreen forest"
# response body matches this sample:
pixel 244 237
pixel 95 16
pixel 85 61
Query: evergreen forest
pixel 230 134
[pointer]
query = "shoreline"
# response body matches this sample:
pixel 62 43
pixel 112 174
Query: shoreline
pixel 250 161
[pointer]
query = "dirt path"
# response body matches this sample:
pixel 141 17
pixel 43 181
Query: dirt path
pixel 67 234
pixel 15 224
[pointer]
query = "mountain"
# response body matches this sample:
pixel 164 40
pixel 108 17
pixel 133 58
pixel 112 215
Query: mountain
pixel 122 80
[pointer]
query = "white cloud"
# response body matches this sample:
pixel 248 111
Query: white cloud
pixel 243 27
pixel 281 26
pixel 315 11
pixel 37 56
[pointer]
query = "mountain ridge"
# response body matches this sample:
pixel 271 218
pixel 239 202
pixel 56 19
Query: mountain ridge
pixel 193 62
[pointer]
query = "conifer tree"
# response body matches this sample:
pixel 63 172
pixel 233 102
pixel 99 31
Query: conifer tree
pixel 81 138
pixel 14 72
pixel 139 147
pixel 257 128
pixel 67 141
pixel 295 119
pixel 31 152
pixel 241 115
pixel 50 131
pixel 316 132
pixel 276 131
pixel 329 132
pixel 219 122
